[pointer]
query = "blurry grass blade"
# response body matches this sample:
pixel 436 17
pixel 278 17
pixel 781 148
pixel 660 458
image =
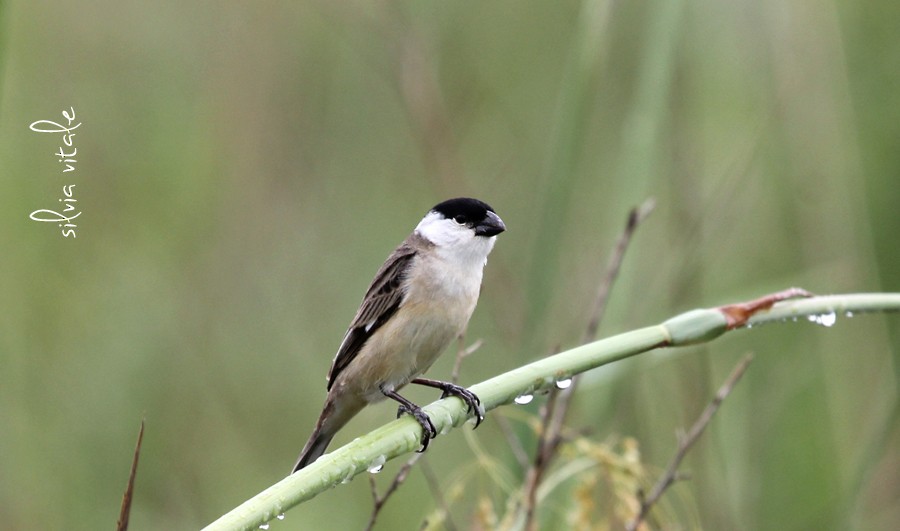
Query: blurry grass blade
pixel 127 498
pixel 573 103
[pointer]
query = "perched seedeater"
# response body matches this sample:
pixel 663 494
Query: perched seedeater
pixel 419 302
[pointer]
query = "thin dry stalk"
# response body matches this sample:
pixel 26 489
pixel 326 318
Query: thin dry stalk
pixel 553 415
pixel 686 442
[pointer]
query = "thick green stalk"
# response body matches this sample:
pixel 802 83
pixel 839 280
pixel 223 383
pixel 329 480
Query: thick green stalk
pixel 402 435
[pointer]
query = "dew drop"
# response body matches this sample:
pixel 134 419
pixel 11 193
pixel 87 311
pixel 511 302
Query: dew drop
pixel 280 516
pixel 524 399
pixel 825 319
pixel 848 314
pixel 565 383
pixel 377 464
pixel 264 526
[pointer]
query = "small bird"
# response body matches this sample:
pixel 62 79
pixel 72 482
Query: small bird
pixel 419 302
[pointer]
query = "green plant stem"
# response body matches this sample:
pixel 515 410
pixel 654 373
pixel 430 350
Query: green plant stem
pixel 403 435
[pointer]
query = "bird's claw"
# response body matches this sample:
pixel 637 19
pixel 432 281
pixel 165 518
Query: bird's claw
pixel 428 430
pixel 473 403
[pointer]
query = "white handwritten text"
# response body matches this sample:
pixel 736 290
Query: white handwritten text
pixel 66 155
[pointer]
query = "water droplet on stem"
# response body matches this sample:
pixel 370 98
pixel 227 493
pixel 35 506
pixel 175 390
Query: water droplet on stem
pixel 565 383
pixel 377 464
pixel 524 399
pixel 825 319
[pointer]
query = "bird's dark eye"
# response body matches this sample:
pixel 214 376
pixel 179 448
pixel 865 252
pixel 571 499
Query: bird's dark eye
pixel 460 219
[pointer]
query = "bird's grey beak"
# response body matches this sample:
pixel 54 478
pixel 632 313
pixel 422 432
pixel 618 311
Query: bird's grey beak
pixel 491 226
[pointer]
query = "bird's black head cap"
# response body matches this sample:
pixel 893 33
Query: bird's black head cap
pixel 464 210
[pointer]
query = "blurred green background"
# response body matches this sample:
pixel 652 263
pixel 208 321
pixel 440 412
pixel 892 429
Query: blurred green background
pixel 244 168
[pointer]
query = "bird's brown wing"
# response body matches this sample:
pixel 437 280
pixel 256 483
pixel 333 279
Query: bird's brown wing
pixel 381 301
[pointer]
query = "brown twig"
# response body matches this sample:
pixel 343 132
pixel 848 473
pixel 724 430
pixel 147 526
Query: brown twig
pixel 125 510
pixel 635 217
pixel 541 455
pixel 379 501
pixel 686 441
pixel 554 413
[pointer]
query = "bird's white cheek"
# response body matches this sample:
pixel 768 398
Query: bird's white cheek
pixel 441 232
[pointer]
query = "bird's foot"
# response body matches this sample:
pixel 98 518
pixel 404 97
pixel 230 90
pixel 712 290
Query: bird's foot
pixel 428 430
pixel 473 403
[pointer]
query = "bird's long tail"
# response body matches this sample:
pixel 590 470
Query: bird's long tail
pixel 335 414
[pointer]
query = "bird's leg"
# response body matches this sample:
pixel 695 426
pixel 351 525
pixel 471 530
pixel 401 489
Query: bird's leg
pixel 428 430
pixel 472 401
